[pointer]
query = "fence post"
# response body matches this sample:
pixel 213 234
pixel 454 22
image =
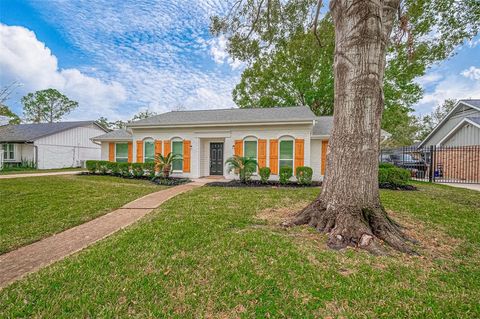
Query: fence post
pixel 431 171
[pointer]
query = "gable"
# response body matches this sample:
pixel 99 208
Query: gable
pixel 461 111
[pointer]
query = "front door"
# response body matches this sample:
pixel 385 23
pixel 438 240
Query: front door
pixel 216 158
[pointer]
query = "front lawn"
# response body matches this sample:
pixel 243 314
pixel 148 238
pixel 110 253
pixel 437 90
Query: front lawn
pixel 219 253
pixel 36 207
pixel 25 170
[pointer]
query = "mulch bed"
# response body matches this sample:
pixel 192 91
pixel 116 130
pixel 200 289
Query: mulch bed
pixel 397 187
pixel 256 183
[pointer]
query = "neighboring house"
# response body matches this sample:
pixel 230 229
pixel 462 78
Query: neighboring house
pixel 50 145
pixel 460 127
pixel 275 137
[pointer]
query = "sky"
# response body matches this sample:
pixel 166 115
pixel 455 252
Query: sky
pixel 117 60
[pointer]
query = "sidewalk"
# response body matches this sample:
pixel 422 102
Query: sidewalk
pixel 16 264
pixel 475 187
pixel 40 174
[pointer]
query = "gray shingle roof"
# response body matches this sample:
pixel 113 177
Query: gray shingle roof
pixel 117 135
pixel 323 126
pixel 474 102
pixel 31 132
pixel 226 116
pixel 475 119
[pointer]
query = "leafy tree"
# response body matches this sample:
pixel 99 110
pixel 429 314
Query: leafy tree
pixel 431 120
pixel 5 93
pixel 47 106
pixel 5 111
pixel 143 115
pixel 164 163
pixel 412 34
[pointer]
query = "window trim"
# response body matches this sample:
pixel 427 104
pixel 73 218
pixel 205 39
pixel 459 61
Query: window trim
pixel 280 140
pixel 5 152
pixel 177 140
pixel 126 158
pixel 146 140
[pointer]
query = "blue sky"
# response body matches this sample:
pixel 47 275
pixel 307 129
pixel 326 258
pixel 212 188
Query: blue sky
pixel 117 60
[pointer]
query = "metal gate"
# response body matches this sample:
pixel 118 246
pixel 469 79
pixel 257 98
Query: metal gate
pixel 441 164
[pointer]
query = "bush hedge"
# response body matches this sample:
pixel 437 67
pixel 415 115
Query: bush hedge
pixel 285 175
pixel 304 175
pixel 264 173
pixel 138 170
pixel 389 174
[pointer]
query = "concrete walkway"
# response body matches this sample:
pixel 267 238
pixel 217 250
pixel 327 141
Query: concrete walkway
pixel 475 187
pixel 40 174
pixel 16 264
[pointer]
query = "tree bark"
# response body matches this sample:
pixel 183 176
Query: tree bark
pixel 349 207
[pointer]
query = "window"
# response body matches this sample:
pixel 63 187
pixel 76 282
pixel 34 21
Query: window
pixel 286 154
pixel 8 151
pixel 250 149
pixel 149 151
pixel 121 152
pixel 177 149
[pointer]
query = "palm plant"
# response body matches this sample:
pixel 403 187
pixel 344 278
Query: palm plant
pixel 164 163
pixel 243 166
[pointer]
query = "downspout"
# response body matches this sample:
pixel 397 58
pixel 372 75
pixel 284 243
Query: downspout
pixel 35 152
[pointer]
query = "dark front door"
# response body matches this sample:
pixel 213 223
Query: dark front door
pixel 216 158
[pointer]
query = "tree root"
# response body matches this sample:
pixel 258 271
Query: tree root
pixel 355 227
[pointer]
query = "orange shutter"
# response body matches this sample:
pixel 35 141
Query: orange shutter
pixel 262 153
pixel 186 156
pixel 158 147
pixel 130 152
pixel 139 151
pixel 299 153
pixel 274 157
pixel 239 147
pixel 166 147
pixel 324 156
pixel 111 152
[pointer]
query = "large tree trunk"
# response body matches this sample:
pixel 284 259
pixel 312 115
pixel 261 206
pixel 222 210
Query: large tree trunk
pixel 349 207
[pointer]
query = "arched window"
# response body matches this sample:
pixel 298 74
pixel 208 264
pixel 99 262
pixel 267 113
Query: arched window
pixel 177 149
pixel 250 147
pixel 286 152
pixel 148 150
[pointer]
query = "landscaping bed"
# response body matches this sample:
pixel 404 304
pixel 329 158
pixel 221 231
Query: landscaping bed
pixel 257 183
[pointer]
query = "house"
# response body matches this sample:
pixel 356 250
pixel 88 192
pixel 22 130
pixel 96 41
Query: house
pixel 460 127
pixel 50 145
pixel 275 137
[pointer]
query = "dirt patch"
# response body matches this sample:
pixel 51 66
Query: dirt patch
pixel 276 215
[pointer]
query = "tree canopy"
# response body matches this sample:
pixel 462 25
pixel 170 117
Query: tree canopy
pixel 47 106
pixel 288 49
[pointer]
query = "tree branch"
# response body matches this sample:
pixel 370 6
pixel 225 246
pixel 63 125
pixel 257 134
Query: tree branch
pixel 315 22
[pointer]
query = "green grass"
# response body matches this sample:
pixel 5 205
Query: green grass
pixel 23 170
pixel 209 253
pixel 36 207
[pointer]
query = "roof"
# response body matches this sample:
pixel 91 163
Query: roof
pixel 116 135
pixel 228 116
pixel 473 103
pixel 324 124
pixel 474 119
pixel 31 132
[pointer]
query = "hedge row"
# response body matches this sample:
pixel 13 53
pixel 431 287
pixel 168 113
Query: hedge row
pixel 121 169
pixel 389 174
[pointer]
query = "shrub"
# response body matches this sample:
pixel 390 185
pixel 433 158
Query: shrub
pixel 102 167
pixel 304 175
pixel 264 174
pixel 393 175
pixel 386 165
pixel 123 169
pixel 91 166
pixel 112 168
pixel 137 169
pixel 243 166
pixel 285 175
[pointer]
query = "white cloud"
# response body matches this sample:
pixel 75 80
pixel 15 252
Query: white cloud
pixel 25 59
pixel 452 87
pixel 472 73
pixel 218 50
pixel 429 78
